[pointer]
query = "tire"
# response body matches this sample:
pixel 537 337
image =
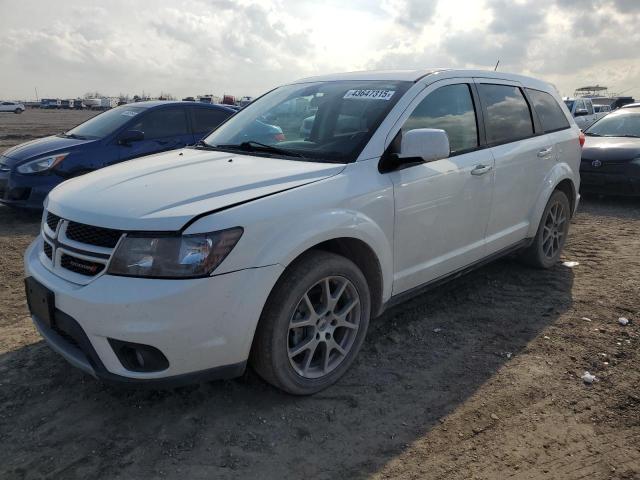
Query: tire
pixel 17 111
pixel 547 245
pixel 291 342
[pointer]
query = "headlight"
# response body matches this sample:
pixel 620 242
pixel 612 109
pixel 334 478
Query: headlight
pixel 42 164
pixel 185 256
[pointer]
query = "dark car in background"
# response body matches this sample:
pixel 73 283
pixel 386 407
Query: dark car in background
pixel 30 170
pixel 611 154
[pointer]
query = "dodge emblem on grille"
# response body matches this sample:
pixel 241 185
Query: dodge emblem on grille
pixel 87 268
pixel 596 163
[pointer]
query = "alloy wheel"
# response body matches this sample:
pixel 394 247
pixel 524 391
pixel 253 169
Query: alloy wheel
pixel 554 230
pixel 323 327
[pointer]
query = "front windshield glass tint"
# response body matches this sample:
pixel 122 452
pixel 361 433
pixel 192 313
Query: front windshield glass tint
pixel 617 125
pixel 105 123
pixel 323 121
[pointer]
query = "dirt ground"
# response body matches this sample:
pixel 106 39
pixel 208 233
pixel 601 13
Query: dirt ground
pixel 479 379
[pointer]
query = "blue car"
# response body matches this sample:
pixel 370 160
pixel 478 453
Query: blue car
pixel 28 172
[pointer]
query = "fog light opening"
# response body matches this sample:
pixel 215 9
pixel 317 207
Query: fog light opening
pixel 138 357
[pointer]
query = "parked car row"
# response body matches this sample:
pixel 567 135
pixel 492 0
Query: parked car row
pixel 275 239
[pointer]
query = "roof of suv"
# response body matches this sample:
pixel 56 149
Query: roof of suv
pixel 406 75
pixel 416 75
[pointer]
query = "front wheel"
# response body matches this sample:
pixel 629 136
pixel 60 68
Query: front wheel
pixel 313 324
pixel 545 250
pixel 17 111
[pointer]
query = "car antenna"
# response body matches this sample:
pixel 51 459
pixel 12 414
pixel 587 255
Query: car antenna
pixel 496 67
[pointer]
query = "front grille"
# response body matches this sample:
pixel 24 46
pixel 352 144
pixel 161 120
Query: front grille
pixel 48 251
pixel 78 265
pixel 52 221
pixel 100 237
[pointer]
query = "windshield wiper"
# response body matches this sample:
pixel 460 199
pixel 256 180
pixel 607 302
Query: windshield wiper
pixel 203 144
pixel 589 134
pixel 253 146
pixel 629 136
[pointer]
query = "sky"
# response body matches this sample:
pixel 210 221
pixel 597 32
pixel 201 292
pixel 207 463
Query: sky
pixel 246 47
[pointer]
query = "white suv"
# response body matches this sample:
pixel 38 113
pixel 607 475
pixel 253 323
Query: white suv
pixel 272 244
pixel 13 107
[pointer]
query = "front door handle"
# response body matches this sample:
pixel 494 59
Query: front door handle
pixel 481 169
pixel 545 152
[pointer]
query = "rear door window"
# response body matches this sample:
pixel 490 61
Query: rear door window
pixel 548 110
pixel 451 109
pixel 508 117
pixel 206 119
pixel 162 123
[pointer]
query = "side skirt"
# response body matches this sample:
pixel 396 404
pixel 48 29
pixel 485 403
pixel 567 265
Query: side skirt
pixel 425 287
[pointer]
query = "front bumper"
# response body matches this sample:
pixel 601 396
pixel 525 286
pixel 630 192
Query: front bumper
pixel 204 326
pixel 611 179
pixel 26 191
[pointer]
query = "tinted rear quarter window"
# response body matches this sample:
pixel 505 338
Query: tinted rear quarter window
pixel 206 119
pixel 548 110
pixel 508 116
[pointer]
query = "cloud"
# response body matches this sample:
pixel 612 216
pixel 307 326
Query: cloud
pixel 412 14
pixel 568 42
pixel 249 46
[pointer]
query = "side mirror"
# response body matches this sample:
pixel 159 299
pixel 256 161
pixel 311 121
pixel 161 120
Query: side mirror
pixel 426 144
pixel 130 136
pixel 581 112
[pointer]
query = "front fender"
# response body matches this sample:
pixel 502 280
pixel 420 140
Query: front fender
pixel 280 227
pixel 557 174
pixel 330 225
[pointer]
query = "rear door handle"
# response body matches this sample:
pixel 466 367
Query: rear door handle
pixel 545 152
pixel 481 169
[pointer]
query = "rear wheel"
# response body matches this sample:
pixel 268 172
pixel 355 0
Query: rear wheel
pixel 17 111
pixel 546 248
pixel 313 324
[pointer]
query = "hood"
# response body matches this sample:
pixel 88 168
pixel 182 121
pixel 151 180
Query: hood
pixel 40 147
pixel 163 192
pixel 611 149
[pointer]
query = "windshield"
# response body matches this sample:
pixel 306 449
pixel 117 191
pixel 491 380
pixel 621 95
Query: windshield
pixel 569 104
pixel 621 124
pixel 323 121
pixel 102 125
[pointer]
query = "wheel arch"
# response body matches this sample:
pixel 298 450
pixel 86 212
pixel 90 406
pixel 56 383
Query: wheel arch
pixel 560 178
pixel 360 253
pixel 568 188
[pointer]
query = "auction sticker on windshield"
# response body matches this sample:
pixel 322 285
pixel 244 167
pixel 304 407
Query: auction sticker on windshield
pixel 370 94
